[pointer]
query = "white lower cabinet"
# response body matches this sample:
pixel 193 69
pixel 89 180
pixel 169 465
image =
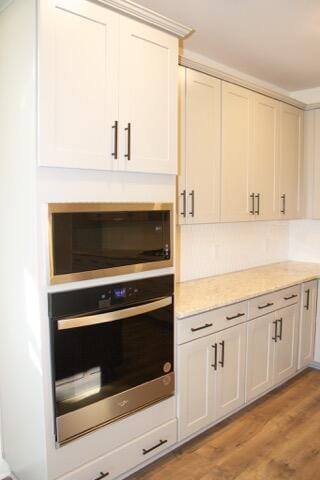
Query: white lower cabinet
pixel 286 346
pixel 230 377
pixel 271 350
pixel 223 362
pixel 307 323
pixel 211 378
pixel 128 456
pixel 260 347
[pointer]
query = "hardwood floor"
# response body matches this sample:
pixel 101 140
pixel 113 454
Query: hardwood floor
pixel 276 438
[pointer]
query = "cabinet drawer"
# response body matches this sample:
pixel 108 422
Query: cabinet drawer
pixel 289 296
pixel 273 301
pixel 128 456
pixel 265 304
pixel 210 322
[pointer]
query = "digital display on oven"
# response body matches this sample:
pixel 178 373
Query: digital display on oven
pixel 120 292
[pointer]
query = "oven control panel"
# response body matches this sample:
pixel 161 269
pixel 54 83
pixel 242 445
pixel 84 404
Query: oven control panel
pixel 109 297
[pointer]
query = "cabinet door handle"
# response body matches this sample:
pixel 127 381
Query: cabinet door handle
pixel 128 130
pixel 215 348
pixel 275 323
pixel 207 325
pixel 294 295
pixel 280 334
pixel 236 316
pixel 257 211
pixel 102 475
pixel 184 203
pixel 252 204
pixel 307 305
pixel 283 198
pixel 161 442
pixel 269 304
pixel 115 148
pixel 192 203
pixel 221 362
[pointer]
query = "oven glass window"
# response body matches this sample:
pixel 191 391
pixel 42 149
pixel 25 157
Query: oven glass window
pixel 95 362
pixel 91 240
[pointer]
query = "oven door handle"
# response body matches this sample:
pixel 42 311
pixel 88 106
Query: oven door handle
pixel 77 322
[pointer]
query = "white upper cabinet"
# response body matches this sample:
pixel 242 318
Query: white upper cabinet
pixel 148 98
pixel 78 92
pixel 200 112
pixel 107 90
pixel 265 157
pixel 291 144
pixel 237 109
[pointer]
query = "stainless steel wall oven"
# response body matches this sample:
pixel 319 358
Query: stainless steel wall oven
pixel 112 352
pixel 99 239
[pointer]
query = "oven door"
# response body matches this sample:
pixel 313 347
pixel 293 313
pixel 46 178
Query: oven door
pixel 111 364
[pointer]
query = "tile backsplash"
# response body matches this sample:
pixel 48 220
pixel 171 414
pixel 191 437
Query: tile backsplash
pixel 213 249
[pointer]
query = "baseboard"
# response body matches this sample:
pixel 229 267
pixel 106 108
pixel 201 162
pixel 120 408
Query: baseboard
pixel 315 365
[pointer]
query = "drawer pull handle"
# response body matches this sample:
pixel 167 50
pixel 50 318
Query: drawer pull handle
pixel 307 305
pixel 184 203
pixel 280 334
pixel 128 130
pixel 236 316
pixel 269 304
pixel 215 364
pixel 115 151
pixel 291 296
pixel 283 198
pixel 102 475
pixel 252 205
pixel 221 362
pixel 275 323
pixel 191 194
pixel 161 442
pixel 207 325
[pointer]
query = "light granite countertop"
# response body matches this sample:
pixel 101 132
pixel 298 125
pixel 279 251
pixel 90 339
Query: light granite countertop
pixel 205 294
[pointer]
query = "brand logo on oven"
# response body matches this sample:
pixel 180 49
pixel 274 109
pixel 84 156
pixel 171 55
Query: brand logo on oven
pixel 123 403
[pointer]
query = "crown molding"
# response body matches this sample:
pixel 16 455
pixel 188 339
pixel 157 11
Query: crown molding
pixel 312 106
pixel 188 62
pixel 148 16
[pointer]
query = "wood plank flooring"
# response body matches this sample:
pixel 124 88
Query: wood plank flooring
pixel 276 438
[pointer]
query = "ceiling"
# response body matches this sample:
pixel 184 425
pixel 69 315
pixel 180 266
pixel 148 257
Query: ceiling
pixel 277 41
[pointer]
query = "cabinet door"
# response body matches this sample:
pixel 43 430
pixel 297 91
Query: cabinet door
pixel 230 378
pixel 203 122
pixel 196 385
pixel 291 130
pixel 181 203
pixel 260 353
pixel 236 152
pixel 286 351
pixel 78 55
pixel 307 323
pixel 263 168
pixel 148 98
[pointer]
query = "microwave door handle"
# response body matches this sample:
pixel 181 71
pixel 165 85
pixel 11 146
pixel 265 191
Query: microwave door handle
pixel 77 322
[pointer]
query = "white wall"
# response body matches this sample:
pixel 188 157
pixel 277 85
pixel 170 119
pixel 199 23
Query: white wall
pixel 20 375
pixel 214 249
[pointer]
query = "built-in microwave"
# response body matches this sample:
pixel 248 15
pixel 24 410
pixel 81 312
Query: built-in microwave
pixel 91 240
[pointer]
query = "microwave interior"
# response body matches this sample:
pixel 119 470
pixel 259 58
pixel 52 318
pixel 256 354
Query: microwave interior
pixel 95 240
